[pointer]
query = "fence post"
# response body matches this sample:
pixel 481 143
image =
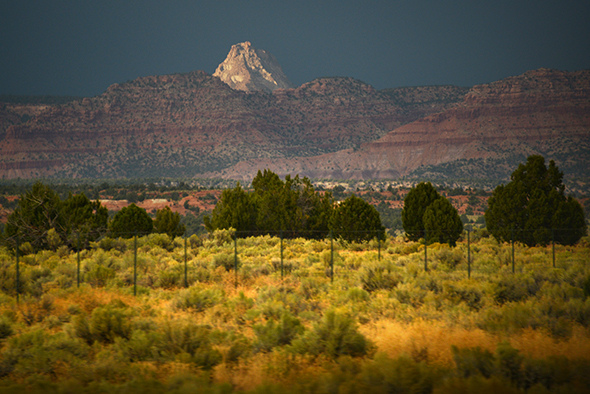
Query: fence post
pixel 331 257
pixel 553 245
pixel 281 235
pixel 78 263
pixel 468 255
pixel 17 270
pixel 185 269
pixel 425 252
pixel 135 264
pixel 236 257
pixel 512 239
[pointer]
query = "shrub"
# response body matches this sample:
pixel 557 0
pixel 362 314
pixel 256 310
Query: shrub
pixel 99 275
pixel 399 375
pixel 275 333
pixel 469 294
pixel 335 335
pixel 188 342
pixel 474 361
pixel 104 325
pixel 376 278
pixel 108 244
pixel 38 352
pixel 225 260
pixel 168 279
pixel 197 299
pixel 449 258
pixel 511 289
pixel 5 328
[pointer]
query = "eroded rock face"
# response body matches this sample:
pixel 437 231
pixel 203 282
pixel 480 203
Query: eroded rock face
pixel 249 69
pixel 495 127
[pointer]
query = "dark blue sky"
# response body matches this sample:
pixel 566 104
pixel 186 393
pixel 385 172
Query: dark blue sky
pixel 81 47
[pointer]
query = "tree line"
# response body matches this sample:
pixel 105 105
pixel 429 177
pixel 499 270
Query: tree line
pixel 293 208
pixel 45 221
pixel 532 209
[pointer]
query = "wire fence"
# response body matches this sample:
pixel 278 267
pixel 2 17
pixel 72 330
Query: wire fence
pixel 234 243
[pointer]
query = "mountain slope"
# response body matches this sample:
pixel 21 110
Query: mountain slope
pixel 190 124
pixel 495 127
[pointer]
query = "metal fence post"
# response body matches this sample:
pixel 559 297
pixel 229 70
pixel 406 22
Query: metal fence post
pixel 135 265
pixel 236 257
pixel 425 252
pixel 553 245
pixel 281 235
pixel 17 270
pixel 78 263
pixel 331 256
pixel 468 255
pixel 185 268
pixel 512 231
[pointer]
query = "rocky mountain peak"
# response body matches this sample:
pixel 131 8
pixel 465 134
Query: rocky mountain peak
pixel 249 69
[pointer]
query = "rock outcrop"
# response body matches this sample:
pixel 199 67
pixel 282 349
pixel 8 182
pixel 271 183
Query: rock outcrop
pixel 249 69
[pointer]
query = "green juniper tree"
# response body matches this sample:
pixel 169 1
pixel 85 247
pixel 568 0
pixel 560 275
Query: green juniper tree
pixel 427 214
pixel 129 221
pixel 415 204
pixel 85 220
pixel 533 209
pixel 442 222
pixel 235 209
pixel 44 220
pixel 38 211
pixel 355 220
pixel 168 222
pixel 291 206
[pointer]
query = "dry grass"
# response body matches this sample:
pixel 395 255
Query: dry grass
pixel 432 340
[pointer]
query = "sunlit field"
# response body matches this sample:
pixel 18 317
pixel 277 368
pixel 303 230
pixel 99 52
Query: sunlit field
pixel 175 316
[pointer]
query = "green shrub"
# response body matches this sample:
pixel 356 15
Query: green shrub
pixel 459 292
pixel 376 278
pixel 99 275
pixel 474 361
pixel 511 288
pixel 105 324
pixel 168 279
pixel 334 336
pixel 509 362
pixel 6 329
pixel 226 260
pixel 187 342
pixel 38 352
pixel 197 299
pixel 275 333
pixel 108 244
pixel 141 346
pixel 449 258
pixel 356 294
pixel 399 375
